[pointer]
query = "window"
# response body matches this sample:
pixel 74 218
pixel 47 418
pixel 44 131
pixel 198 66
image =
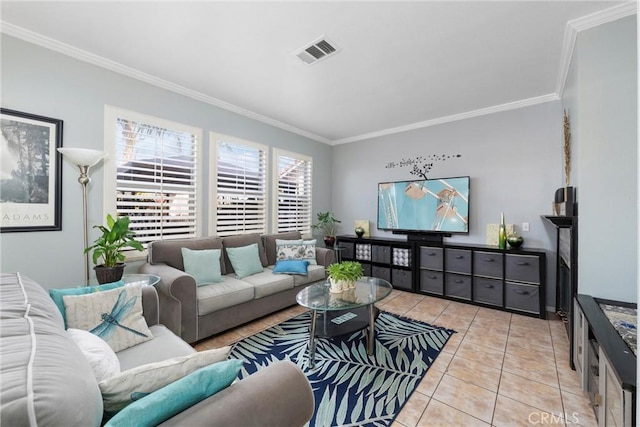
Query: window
pixel 154 170
pixel 293 195
pixel 240 182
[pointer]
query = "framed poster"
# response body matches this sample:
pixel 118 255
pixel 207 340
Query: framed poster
pixel 30 172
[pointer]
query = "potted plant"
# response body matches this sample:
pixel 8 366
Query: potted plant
pixel 116 236
pixel 343 275
pixel 327 223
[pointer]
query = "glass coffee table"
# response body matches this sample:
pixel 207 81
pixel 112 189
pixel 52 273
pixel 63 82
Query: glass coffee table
pixel 334 314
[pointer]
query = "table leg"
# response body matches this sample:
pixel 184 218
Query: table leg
pixel 312 340
pixel 371 333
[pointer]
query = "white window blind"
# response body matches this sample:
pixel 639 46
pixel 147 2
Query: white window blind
pixel 156 178
pixel 293 204
pixel 240 187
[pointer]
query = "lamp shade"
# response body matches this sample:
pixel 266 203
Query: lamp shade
pixel 82 156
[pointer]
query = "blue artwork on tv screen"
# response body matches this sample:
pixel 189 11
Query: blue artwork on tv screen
pixel 433 205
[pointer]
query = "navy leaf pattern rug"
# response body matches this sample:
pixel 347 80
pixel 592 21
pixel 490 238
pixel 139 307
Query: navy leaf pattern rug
pixel 350 387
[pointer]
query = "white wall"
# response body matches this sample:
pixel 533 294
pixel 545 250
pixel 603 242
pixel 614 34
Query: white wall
pixel 513 159
pixel 46 83
pixel 602 97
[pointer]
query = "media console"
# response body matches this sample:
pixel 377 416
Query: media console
pixel 512 280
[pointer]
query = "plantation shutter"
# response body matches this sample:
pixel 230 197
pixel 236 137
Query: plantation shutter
pixel 241 188
pixel 294 193
pixel 156 181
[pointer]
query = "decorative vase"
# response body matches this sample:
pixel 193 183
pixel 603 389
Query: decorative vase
pixel 329 241
pixel 359 232
pixel 336 286
pixel 502 233
pixel 514 240
pixel 109 274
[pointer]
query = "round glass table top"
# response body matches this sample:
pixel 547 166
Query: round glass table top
pixel 135 279
pixel 140 279
pixel 367 291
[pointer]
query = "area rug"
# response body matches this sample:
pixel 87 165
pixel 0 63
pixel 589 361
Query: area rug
pixel 351 388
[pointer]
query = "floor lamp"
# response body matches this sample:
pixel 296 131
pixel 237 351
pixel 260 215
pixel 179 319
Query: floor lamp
pixel 84 158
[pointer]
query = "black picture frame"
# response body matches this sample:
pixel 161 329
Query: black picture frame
pixel 30 172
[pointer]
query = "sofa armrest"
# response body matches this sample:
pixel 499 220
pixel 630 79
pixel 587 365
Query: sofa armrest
pixel 324 256
pixel 150 305
pixel 178 300
pixel 277 395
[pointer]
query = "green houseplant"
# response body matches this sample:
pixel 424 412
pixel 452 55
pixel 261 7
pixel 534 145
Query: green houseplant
pixel 327 223
pixel 115 237
pixel 343 275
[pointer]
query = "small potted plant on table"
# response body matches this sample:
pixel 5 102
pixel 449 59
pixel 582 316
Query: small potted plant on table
pixel 327 223
pixel 116 236
pixel 342 276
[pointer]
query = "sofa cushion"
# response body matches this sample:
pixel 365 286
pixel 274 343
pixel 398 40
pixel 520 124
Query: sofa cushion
pixel 93 312
pixel 132 384
pixel 170 251
pixel 229 292
pixel 45 378
pixel 57 294
pixel 270 243
pixel 203 265
pixel 168 401
pixel 238 241
pixel 164 345
pixel 101 357
pixel 245 260
pixel 267 283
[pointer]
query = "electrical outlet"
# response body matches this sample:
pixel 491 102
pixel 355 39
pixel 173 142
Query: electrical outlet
pixel 525 226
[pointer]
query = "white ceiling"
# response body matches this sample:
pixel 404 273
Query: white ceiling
pixel 401 65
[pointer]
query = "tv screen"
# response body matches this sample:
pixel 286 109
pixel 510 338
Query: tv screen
pixel 430 206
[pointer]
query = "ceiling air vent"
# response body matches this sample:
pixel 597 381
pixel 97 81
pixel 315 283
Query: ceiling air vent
pixel 316 51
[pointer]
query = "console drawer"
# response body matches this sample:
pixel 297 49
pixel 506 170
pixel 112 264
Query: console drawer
pixel 381 272
pixel 523 268
pixel 431 257
pixel 432 282
pixel 401 279
pixel 347 251
pixel 487 264
pixel 367 269
pixel 488 291
pixel 381 254
pixel 518 296
pixel 457 285
pixel 457 260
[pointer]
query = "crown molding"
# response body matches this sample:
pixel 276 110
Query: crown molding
pixel 453 118
pixel 584 23
pixel 82 55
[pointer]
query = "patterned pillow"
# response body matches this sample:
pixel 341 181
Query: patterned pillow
pixel 132 384
pixel 304 250
pixel 115 316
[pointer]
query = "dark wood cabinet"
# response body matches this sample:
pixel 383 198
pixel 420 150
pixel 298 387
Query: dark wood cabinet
pixel 511 280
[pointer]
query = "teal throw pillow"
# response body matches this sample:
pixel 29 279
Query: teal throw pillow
pixel 245 260
pixel 57 294
pixel 203 265
pixel 174 398
pixel 291 266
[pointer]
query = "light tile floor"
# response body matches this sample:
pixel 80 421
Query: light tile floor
pixel 499 369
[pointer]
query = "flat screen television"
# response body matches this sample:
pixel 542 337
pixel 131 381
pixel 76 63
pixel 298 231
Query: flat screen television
pixel 424 206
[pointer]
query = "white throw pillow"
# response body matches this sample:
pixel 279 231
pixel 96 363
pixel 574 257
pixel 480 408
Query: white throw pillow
pixel 115 316
pixel 101 357
pixel 135 383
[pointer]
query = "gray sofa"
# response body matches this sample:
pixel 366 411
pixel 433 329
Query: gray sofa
pixel 47 381
pixel 197 312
